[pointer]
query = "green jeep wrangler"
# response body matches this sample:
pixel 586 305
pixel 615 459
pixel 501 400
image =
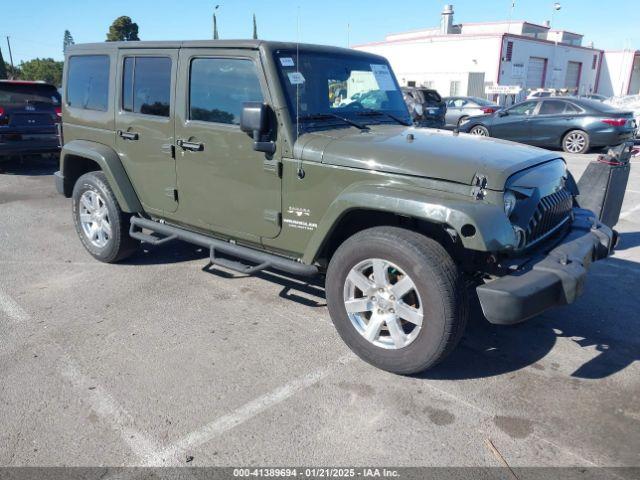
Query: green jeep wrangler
pixel 302 159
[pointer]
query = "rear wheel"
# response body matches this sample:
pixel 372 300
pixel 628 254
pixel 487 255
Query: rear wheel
pixel 102 226
pixel 396 298
pixel 576 141
pixel 479 130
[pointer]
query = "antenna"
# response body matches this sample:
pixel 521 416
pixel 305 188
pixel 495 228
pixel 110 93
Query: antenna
pixel 300 169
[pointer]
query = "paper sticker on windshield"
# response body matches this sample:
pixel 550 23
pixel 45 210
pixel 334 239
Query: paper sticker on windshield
pixel 296 78
pixel 287 62
pixel 383 77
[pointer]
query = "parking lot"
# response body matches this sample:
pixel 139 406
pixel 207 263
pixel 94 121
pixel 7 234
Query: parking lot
pixel 157 362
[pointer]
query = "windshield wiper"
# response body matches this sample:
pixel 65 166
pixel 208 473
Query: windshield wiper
pixel 376 113
pixel 326 116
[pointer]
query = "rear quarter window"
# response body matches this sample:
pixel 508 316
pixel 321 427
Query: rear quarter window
pixel 88 82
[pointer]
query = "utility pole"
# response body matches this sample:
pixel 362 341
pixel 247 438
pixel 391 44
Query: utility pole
pixel 215 23
pixel 10 58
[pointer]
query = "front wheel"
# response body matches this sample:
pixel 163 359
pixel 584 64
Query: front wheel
pixel 576 141
pixel 396 298
pixel 480 131
pixel 102 226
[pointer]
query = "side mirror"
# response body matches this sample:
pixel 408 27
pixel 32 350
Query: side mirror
pixel 254 120
pixel 502 113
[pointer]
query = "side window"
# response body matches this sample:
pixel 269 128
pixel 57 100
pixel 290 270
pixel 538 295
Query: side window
pixel 88 82
pixel 525 108
pixel 219 86
pixel 459 103
pixel 571 108
pixel 552 107
pixel 146 85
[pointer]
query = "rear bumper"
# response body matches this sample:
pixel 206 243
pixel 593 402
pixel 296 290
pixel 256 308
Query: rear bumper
pixel 613 137
pixel 549 279
pixel 31 143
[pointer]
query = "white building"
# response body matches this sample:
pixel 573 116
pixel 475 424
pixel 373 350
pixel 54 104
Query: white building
pixel 463 59
pixel 620 73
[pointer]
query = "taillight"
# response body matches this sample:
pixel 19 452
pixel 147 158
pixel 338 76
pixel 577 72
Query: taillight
pixel 488 110
pixel 58 113
pixel 4 120
pixel 615 122
pixel 1 112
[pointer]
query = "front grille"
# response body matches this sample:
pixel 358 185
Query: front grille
pixel 552 210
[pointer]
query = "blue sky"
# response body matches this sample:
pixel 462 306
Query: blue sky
pixel 36 26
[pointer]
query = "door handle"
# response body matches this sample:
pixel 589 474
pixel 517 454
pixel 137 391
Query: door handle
pixel 128 135
pixel 192 146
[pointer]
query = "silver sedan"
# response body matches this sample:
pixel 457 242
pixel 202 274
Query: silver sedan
pixel 461 108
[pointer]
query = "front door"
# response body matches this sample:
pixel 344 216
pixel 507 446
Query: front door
pixel 513 124
pixel 223 184
pixel 145 125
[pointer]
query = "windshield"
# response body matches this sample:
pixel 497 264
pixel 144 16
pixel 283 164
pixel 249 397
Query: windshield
pixel 324 86
pixel 23 93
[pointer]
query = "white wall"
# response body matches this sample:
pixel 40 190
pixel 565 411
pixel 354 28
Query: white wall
pixel 441 60
pixel 558 57
pixel 449 58
pixel 616 71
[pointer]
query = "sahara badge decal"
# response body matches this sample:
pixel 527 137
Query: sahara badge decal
pixel 296 219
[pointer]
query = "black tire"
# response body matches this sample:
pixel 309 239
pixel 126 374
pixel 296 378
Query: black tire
pixel 438 282
pixel 119 245
pixel 479 130
pixel 574 139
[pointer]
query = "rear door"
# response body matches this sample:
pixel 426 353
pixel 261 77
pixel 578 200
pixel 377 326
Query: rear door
pixel 454 110
pixel 223 184
pixel 550 121
pixel 145 125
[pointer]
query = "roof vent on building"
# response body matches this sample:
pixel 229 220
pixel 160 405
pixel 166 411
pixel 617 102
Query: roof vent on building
pixel 547 23
pixel 446 22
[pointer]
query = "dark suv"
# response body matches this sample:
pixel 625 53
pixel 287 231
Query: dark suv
pixel 29 117
pixel 426 106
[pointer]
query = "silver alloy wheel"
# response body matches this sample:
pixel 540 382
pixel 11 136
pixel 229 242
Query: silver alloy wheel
pixel 480 131
pixel 383 303
pixel 94 218
pixel 575 142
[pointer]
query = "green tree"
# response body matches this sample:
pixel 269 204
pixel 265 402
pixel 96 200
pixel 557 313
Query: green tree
pixel 255 27
pixel 3 67
pixel 46 69
pixel 68 40
pixel 123 29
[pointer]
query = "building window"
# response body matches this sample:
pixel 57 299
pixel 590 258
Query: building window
pixel 236 81
pixel 509 54
pixel 454 88
pixel 146 85
pixel 411 83
pixel 595 62
pixel 88 82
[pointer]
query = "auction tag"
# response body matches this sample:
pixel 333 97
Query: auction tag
pixel 296 78
pixel 287 62
pixel 383 77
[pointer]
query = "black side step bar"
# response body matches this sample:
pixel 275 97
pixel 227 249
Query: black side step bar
pixel 263 260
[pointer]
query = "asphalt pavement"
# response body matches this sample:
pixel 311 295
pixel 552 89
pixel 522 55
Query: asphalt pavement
pixel 158 362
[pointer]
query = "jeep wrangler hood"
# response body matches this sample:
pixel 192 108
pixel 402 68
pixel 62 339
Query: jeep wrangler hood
pixel 436 154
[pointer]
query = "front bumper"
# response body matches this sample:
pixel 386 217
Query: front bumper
pixel 550 278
